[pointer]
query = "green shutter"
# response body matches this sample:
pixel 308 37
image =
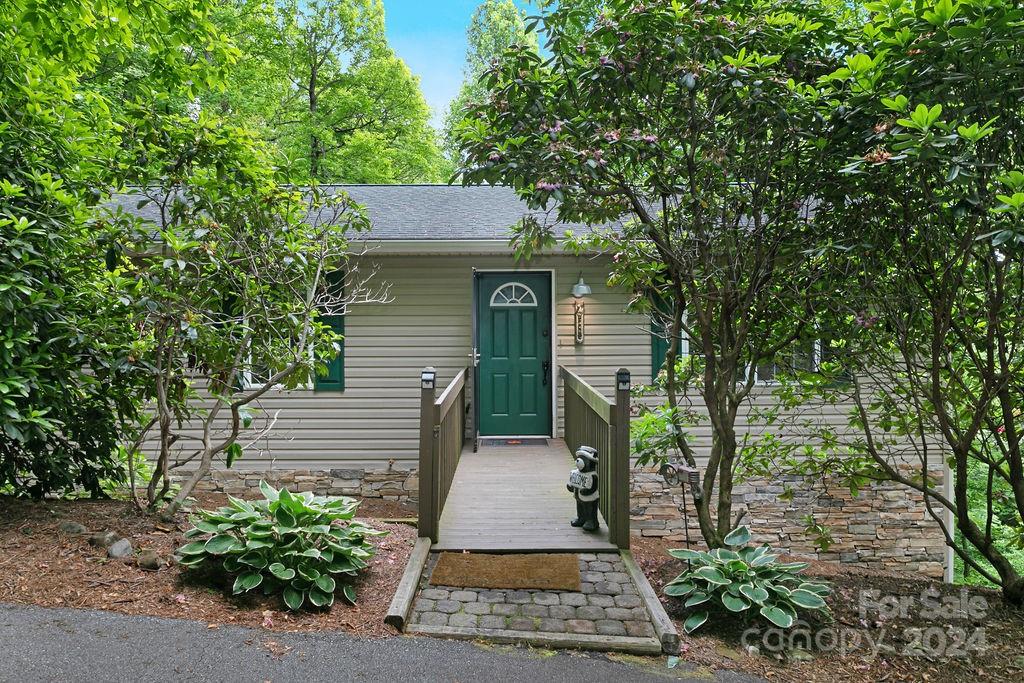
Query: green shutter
pixel 659 347
pixel 334 378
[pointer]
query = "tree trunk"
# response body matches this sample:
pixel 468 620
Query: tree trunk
pixel 1013 593
pixel 314 141
pixel 187 487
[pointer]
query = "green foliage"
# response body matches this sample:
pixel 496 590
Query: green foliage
pixel 300 546
pixel 697 132
pixel 739 578
pixel 929 159
pixel 655 434
pixel 319 79
pixel 1007 531
pixel 227 271
pixel 68 387
pixel 495 26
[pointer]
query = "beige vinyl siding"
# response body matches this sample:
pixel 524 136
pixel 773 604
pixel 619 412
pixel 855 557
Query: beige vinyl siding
pixel 428 322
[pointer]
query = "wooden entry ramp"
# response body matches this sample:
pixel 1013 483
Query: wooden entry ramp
pixel 514 499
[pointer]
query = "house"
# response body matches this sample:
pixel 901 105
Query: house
pixel 525 343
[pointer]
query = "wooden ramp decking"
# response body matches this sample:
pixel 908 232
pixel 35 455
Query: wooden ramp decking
pixel 513 499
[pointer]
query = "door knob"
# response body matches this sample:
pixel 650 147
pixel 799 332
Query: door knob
pixel 546 366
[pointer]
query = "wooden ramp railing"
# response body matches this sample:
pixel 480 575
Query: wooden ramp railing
pixel 442 434
pixel 593 420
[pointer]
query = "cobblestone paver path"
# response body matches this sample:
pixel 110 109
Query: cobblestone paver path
pixel 607 604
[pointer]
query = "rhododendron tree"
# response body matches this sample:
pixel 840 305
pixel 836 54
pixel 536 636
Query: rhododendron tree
pixel 932 209
pixel 693 133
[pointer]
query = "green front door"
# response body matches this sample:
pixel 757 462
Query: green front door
pixel 514 342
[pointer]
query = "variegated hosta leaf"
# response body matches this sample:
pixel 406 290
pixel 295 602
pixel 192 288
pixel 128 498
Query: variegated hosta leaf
pixel 695 621
pixel 738 536
pixel 776 616
pixel 291 544
pixel 698 598
pixel 734 580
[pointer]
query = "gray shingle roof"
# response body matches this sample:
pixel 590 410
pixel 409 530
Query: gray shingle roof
pixel 422 212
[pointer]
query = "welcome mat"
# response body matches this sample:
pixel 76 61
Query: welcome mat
pixel 532 441
pixel 541 571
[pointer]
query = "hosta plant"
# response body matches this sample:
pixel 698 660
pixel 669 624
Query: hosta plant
pixel 299 545
pixel 739 579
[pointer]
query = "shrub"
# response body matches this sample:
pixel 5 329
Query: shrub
pixel 294 544
pixel 742 577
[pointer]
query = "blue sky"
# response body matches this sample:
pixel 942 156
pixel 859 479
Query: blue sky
pixel 430 35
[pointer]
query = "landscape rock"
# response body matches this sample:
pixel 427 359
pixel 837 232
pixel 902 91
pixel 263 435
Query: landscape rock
pixel 73 528
pixel 149 559
pixel 120 549
pixel 798 655
pixel 103 539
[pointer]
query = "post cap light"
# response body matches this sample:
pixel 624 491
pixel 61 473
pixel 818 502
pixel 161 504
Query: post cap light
pixel 581 288
pixel 428 378
pixel 622 379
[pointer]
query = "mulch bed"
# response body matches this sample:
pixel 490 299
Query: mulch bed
pixel 39 565
pixel 719 644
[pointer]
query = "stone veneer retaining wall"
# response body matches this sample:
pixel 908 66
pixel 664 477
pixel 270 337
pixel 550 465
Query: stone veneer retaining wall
pixel 388 484
pixel 885 527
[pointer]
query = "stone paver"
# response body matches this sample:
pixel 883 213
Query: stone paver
pixel 462 619
pixel 491 596
pixel 627 601
pixel 495 622
pixel 545 598
pixel 522 624
pixel 573 599
pixel 620 613
pixel 537 611
pixel 639 629
pixel 562 611
pixel 448 606
pixel 432 619
pixel 423 605
pixel 580 626
pixel 590 612
pixel 610 627
pixel 606 604
pixel 519 597
pixel 551 626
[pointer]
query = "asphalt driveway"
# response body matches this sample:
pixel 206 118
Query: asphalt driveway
pixel 41 644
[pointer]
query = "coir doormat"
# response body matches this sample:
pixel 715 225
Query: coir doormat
pixel 514 442
pixel 541 571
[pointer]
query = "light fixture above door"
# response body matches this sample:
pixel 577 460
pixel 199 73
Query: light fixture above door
pixel 580 290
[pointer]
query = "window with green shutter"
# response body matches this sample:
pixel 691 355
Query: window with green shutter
pixel 659 347
pixel 334 378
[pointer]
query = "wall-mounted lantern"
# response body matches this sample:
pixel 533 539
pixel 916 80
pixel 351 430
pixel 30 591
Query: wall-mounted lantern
pixel 580 290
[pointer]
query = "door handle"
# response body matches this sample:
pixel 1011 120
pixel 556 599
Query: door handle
pixel 546 366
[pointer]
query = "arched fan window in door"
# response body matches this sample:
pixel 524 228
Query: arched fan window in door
pixel 513 295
